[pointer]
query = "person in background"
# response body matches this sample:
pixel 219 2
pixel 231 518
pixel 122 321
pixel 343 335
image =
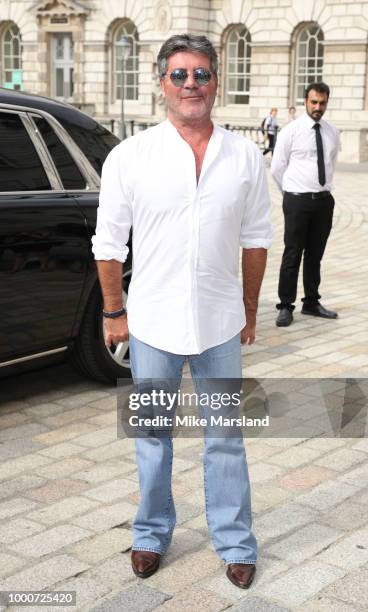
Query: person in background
pixel 270 130
pixel 302 166
pixel 291 114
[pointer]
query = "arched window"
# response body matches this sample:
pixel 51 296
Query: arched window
pixel 12 57
pixel 309 59
pixel 126 29
pixel 238 59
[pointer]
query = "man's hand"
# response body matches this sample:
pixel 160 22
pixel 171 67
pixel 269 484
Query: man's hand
pixel 248 334
pixel 116 330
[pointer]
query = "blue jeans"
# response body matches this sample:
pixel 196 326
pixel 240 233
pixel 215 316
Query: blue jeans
pixel 226 479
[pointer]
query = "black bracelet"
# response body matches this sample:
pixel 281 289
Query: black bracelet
pixel 114 314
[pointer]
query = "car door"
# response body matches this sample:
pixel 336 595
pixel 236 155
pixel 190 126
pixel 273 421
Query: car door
pixel 44 244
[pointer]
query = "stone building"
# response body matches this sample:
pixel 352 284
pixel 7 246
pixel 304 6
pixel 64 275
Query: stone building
pixel 269 50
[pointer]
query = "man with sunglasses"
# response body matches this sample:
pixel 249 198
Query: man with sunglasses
pixel 193 193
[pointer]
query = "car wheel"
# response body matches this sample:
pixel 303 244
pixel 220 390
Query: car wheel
pixel 90 355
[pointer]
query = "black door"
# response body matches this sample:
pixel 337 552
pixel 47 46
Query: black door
pixel 44 249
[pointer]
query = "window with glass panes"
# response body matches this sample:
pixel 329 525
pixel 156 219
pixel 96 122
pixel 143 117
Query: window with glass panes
pixel 129 31
pixel 12 58
pixel 309 59
pixel 238 61
pixel 62 66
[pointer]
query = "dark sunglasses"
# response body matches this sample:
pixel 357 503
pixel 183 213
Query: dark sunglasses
pixel 202 76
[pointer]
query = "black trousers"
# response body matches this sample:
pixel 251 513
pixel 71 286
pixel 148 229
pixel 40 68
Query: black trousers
pixel 271 144
pixel 308 224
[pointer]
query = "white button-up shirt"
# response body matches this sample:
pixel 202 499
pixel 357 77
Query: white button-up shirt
pixel 294 164
pixel 185 295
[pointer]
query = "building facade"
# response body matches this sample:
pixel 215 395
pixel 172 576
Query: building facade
pixel 268 49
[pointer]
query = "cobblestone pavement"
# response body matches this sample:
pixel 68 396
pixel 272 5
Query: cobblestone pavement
pixel 69 489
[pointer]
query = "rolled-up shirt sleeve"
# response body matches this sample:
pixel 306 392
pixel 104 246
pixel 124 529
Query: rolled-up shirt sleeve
pixel 256 229
pixel 114 213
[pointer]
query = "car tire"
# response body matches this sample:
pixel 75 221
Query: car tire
pixel 90 355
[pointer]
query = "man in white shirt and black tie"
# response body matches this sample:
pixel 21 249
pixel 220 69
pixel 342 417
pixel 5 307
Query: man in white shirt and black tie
pixel 302 166
pixel 193 193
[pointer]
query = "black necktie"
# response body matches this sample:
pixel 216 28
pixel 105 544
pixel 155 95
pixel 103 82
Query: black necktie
pixel 320 159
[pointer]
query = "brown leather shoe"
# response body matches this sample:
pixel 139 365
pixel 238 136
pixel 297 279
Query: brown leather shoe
pixel 145 563
pixel 241 574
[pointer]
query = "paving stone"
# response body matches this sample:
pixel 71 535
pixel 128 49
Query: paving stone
pixel 294 457
pixel 110 491
pixel 305 477
pixel 195 599
pixel 137 598
pixel 22 484
pixel 179 575
pixel 301 583
pixel 257 604
pixel 88 591
pixel 110 451
pixel 105 404
pixel 63 434
pixel 102 546
pixel 69 416
pixel 12 468
pixel 347 516
pixel 44 410
pixel 12 420
pixel 326 495
pixel 266 496
pixel 263 472
pixel 341 459
pixel 349 553
pixel 106 517
pixel 63 511
pixel 16 505
pixel 185 511
pixel 56 490
pixel 304 543
pixel 107 418
pixel 97 437
pixel 65 467
pixel 326 604
pixel 115 572
pixel 50 540
pixel 62 451
pixel 79 399
pixel 198 523
pixel 15 448
pixel 259 451
pixel 44 574
pixel 9 564
pixel 17 529
pixel 28 430
pixel 362 445
pixel 100 473
pixel 282 520
pixel 357 477
pixel 352 589
pixel 184 542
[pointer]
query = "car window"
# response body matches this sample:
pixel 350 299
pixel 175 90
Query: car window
pixel 20 166
pixel 68 170
pixel 95 143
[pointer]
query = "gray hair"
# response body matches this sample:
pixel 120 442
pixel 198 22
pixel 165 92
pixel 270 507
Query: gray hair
pixel 186 42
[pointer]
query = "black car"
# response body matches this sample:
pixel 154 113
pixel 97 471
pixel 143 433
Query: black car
pixel 51 155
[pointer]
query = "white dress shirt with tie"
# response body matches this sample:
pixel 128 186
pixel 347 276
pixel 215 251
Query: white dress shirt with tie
pixel 294 164
pixel 185 295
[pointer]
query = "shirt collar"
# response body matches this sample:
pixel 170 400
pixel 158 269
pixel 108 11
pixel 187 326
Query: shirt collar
pixel 310 122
